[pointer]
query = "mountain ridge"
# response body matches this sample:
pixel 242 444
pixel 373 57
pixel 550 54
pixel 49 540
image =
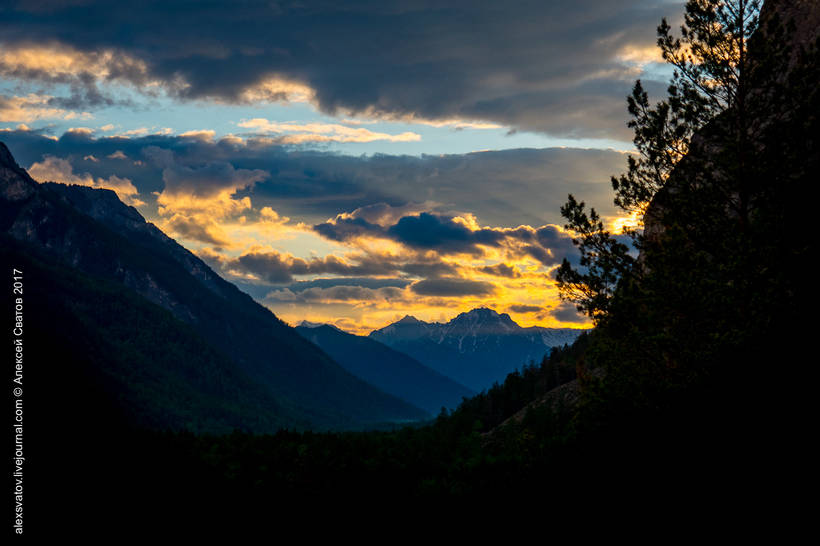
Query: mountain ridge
pixel 476 348
pixel 392 371
pixel 91 231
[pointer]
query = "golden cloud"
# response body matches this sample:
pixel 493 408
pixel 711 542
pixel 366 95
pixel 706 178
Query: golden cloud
pixel 371 116
pixel 33 107
pixel 53 169
pixel 298 133
pixel 198 227
pixel 206 135
pixel 278 90
pixel 58 62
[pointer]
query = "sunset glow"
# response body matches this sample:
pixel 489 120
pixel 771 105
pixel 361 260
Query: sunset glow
pixel 335 187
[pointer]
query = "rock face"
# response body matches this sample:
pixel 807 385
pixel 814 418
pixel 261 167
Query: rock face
pixel 562 399
pixel 18 184
pixel 782 56
pixel 475 348
pixel 92 232
pixel 803 14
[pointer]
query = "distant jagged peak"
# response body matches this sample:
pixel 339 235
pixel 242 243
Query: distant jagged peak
pixel 15 183
pixel 481 312
pixel 407 327
pixel 309 324
pixel 480 315
pixel 484 315
pixel 409 319
pixel 6 159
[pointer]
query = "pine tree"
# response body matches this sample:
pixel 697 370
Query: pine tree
pixel 711 61
pixel 695 334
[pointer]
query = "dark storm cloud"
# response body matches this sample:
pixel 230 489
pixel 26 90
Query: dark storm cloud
pixel 85 94
pixel 366 282
pixel 344 290
pixel 551 246
pixel 274 267
pixel 441 233
pixel 336 294
pixel 523 308
pixel 554 67
pixel 502 188
pixel 277 268
pixel 429 268
pixel 501 270
pixel 208 179
pixel 452 288
pixel 513 188
pixel 444 234
pixel 344 229
pixel 567 312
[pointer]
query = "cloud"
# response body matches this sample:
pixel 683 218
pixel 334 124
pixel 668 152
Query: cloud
pixel 202 134
pixel 276 89
pixel 567 312
pixel 208 181
pixel 501 270
pixel 524 309
pixel 503 188
pixel 270 266
pixel 85 132
pixel 139 131
pixel 195 199
pixel 59 62
pixel 299 133
pixel 559 67
pixel 367 282
pixel 53 169
pixel 339 294
pixel 452 288
pixel 32 107
pixel 277 267
pixel 197 202
pixel 439 232
pixel 196 227
pixel 456 124
pixel 407 205
pixel 448 234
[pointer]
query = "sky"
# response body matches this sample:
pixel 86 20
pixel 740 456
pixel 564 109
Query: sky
pixel 342 162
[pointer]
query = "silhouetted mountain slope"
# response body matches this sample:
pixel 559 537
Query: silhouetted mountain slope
pixel 476 348
pixel 93 232
pixel 130 356
pixel 391 371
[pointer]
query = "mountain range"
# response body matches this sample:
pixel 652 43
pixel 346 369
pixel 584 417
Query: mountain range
pixel 389 370
pixel 476 348
pixel 170 344
pixel 118 304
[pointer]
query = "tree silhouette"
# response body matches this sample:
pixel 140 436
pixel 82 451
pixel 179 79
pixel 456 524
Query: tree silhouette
pixel 718 295
pixel 711 62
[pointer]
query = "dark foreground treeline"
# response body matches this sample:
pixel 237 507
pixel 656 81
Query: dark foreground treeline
pixel 82 456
